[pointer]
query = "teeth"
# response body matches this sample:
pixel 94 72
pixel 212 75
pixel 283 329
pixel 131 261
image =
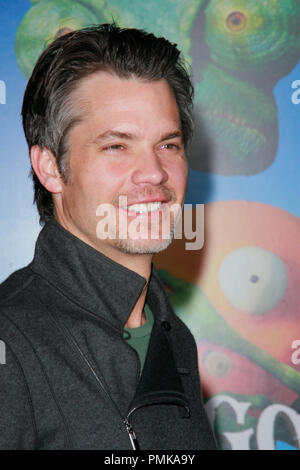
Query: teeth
pixel 149 207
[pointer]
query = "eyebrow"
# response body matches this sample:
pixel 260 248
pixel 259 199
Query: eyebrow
pixel 173 135
pixel 125 135
pixel 109 134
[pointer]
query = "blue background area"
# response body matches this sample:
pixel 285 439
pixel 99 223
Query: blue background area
pixel 280 445
pixel 19 221
pixel 278 185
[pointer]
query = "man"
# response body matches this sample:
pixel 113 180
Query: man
pixel 107 115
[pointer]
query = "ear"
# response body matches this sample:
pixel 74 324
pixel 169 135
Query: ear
pixel 45 167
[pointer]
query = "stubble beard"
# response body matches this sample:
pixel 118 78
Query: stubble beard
pixel 148 245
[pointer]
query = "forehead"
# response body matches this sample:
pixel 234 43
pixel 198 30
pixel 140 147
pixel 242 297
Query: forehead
pixel 105 96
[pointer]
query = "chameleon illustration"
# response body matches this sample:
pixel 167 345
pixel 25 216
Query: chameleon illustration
pixel 238 295
pixel 208 327
pixel 48 19
pixel 238 50
pixel 195 309
pixel 242 51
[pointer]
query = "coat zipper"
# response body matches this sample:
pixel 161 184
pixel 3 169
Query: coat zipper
pixel 131 433
pixel 128 426
pixel 72 340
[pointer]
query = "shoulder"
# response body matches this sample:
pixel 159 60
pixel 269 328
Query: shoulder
pixel 17 299
pixel 15 285
pixel 16 406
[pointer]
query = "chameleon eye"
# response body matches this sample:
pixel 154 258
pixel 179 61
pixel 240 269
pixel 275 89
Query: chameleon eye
pixel 217 363
pixel 253 279
pixel 236 21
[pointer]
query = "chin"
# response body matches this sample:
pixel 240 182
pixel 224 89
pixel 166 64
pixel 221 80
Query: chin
pixel 143 247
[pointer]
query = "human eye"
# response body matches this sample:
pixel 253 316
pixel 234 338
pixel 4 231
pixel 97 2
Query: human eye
pixel 171 146
pixel 113 148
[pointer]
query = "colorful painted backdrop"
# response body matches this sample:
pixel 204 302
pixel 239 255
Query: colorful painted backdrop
pixel 239 294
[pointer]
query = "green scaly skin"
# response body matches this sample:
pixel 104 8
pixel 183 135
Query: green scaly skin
pixel 195 310
pixel 172 19
pixel 240 120
pixel 254 36
pixel 42 23
pixel 251 46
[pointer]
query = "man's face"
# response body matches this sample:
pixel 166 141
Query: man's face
pixel 127 152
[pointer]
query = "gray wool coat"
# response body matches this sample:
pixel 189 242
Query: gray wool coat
pixel 70 381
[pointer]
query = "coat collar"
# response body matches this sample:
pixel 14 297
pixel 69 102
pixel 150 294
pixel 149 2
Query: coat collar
pixel 91 279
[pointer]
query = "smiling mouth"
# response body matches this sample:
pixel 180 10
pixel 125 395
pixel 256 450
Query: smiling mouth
pixel 143 208
pixel 146 209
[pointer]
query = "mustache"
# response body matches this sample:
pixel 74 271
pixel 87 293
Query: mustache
pixel 160 192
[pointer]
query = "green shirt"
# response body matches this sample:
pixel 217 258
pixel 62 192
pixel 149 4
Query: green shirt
pixel 138 338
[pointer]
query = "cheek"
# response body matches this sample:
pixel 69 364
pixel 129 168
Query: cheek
pixel 81 190
pixel 104 181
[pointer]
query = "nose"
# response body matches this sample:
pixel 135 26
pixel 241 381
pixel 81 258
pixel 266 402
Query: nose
pixel 149 169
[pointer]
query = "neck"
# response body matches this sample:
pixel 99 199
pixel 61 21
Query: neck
pixel 141 264
pixel 137 317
